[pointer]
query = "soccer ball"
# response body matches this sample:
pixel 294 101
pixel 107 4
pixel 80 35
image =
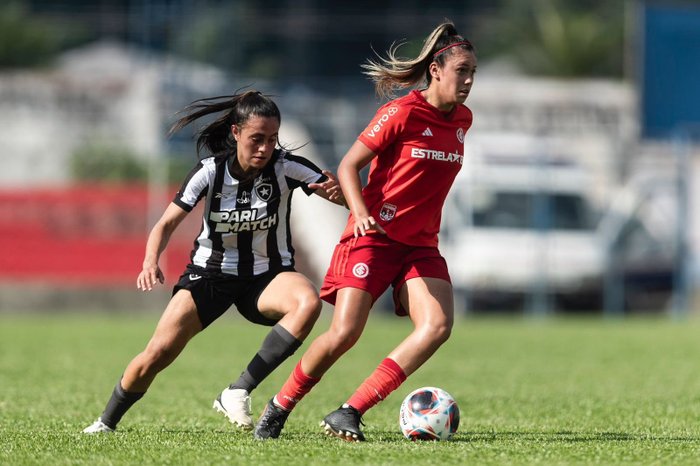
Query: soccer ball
pixel 429 413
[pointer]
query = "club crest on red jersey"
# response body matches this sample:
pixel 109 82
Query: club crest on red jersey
pixel 387 212
pixel 460 135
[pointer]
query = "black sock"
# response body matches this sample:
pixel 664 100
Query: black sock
pixel 277 346
pixel 118 405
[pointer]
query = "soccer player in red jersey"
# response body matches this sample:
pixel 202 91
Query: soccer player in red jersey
pixel 415 145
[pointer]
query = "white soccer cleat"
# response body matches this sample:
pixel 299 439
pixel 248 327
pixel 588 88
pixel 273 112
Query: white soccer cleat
pixel 98 427
pixel 235 405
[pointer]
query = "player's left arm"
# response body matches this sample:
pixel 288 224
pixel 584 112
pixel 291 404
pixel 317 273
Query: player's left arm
pixel 303 173
pixel 329 189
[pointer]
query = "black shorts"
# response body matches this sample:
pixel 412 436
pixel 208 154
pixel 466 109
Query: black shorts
pixel 213 293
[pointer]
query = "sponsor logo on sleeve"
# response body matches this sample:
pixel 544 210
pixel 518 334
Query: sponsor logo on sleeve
pixel 381 121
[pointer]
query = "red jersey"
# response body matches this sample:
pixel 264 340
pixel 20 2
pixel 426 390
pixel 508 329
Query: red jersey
pixel 419 151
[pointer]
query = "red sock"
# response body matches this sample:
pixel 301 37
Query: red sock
pixel 386 378
pixel 297 385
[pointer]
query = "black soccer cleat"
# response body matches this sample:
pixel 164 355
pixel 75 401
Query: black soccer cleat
pixel 271 422
pixel 344 423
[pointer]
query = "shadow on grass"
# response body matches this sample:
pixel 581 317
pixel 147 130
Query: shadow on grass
pixel 568 437
pixel 460 437
pixel 233 433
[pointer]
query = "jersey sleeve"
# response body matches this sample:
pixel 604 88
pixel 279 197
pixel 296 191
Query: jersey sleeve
pixel 300 171
pixel 469 117
pixel 387 124
pixel 194 188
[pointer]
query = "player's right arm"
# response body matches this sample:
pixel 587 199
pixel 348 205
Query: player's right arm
pixel 355 160
pixel 155 245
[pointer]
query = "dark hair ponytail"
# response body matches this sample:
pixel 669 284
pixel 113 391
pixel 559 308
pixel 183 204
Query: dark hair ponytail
pixel 216 137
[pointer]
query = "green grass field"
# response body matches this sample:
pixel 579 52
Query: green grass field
pixel 530 391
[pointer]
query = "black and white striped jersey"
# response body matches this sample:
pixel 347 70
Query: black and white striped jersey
pixel 245 225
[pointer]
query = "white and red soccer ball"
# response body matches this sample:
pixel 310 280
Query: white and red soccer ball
pixel 429 413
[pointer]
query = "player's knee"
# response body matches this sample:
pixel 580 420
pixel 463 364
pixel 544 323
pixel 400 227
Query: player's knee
pixel 311 305
pixel 437 332
pixel 442 333
pixel 158 357
pixel 308 308
pixel 343 338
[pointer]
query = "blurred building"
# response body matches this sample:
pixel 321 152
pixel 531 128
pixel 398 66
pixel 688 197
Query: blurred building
pixel 124 93
pixel 105 94
pixel 74 242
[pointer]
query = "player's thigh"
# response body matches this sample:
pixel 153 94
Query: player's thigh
pixel 287 292
pixel 179 322
pixel 428 301
pixel 352 308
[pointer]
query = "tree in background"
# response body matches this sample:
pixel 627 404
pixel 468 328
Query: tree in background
pixel 27 40
pixel 290 40
pixel 229 36
pixel 562 38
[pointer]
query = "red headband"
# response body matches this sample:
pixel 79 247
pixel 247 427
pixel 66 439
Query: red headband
pixel 463 42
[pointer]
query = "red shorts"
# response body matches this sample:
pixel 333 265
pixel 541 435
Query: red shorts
pixel 374 262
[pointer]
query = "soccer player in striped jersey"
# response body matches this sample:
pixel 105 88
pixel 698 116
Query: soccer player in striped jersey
pixel 415 145
pixel 243 255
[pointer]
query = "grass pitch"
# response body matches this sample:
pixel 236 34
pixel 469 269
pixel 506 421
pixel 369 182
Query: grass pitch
pixel 530 392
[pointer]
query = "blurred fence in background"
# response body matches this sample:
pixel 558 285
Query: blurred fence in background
pixel 561 206
pixel 89 235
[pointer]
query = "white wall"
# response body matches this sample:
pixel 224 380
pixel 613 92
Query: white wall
pixel 316 223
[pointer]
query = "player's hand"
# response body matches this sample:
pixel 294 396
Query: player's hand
pixel 365 224
pixel 149 276
pixel 331 187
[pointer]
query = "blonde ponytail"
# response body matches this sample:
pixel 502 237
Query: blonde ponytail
pixel 392 73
